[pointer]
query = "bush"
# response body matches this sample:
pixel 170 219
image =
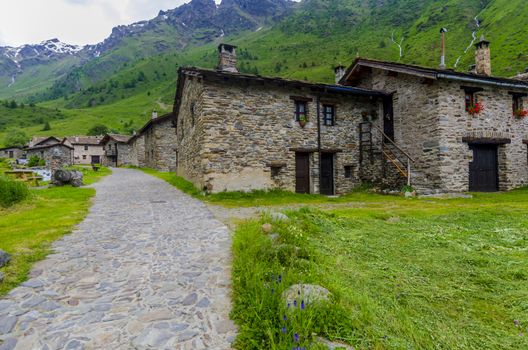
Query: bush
pixel 12 192
pixel 36 161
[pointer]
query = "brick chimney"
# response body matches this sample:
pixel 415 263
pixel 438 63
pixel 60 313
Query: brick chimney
pixel 339 73
pixel 483 57
pixel 227 60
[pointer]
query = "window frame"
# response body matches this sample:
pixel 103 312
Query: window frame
pixel 517 100
pixel 298 113
pixel 332 120
pixel 470 96
pixel 86 147
pixel 348 171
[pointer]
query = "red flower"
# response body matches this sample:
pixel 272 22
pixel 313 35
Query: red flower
pixel 476 108
pixel 520 113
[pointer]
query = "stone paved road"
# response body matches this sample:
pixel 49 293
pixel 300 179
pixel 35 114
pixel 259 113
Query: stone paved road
pixel 147 269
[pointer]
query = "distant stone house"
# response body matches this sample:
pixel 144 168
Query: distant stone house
pixel 87 149
pixel 12 152
pixel 241 132
pixel 431 118
pixel 56 153
pixel 154 145
pixel 116 150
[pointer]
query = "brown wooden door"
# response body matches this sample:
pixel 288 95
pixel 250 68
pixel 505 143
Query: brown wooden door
pixel 327 174
pixel 483 170
pixel 302 172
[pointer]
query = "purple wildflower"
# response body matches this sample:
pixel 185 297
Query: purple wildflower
pixel 302 305
pixel 279 279
pixel 284 318
pixel 289 305
pixel 296 337
pixel 283 330
pixel 295 303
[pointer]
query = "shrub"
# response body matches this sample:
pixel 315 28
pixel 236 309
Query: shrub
pixel 12 192
pixel 36 161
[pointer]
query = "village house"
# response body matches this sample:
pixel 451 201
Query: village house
pixel 245 132
pixel 117 151
pixel 12 152
pixel 86 149
pixel 382 122
pixel 154 145
pixel 460 131
pixel 55 152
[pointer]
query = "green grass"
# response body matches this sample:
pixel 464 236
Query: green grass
pixel 27 229
pixel 404 274
pixel 12 192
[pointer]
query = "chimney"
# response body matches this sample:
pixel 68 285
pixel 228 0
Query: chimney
pixel 227 60
pixel 442 58
pixel 154 115
pixel 76 138
pixel 339 73
pixel 483 57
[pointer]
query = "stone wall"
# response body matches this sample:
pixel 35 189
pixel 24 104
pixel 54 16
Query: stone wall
pixel 117 154
pixel 495 122
pixel 416 120
pixel 16 153
pixel 242 130
pixel 56 157
pixel 160 146
pixel 137 151
pixel 84 156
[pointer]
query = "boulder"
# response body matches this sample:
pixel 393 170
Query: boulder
pixel 279 216
pixel 334 345
pixel 63 177
pixel 310 293
pixel 4 258
pixel 267 228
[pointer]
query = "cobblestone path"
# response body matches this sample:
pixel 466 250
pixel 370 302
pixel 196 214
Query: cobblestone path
pixel 146 269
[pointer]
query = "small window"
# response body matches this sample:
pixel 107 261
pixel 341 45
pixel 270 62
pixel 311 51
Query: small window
pixel 471 100
pixel 348 172
pixel 275 171
pixel 86 148
pixel 84 156
pixel 300 111
pixel 329 115
pixel 518 104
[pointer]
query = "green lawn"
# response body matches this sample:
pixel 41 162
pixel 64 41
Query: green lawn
pixel 28 229
pixel 404 274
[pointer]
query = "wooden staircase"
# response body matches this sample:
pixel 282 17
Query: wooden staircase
pixel 373 141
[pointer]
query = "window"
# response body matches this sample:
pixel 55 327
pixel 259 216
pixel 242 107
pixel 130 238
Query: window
pixel 275 171
pixel 329 115
pixel 517 102
pixel 348 171
pixel 471 100
pixel 300 111
pixel 84 157
pixel 86 148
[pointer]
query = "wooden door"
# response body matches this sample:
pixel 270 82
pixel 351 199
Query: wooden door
pixel 11 154
pixel 388 118
pixel 96 160
pixel 302 172
pixel 327 174
pixel 483 170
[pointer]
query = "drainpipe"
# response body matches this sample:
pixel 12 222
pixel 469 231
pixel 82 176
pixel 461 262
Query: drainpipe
pixel 481 81
pixel 318 100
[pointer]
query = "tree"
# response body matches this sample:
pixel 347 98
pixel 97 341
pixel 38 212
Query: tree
pixel 47 126
pixel 16 137
pixel 13 104
pixel 98 129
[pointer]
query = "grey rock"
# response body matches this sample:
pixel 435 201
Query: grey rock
pixel 310 293
pixel 203 303
pixel 190 299
pixel 279 216
pixel 74 345
pixel 187 335
pixel 33 302
pixel 334 345
pixel 4 258
pixel 34 283
pixel 8 344
pixel 7 324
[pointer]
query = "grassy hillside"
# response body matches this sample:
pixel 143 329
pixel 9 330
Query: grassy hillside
pixel 122 88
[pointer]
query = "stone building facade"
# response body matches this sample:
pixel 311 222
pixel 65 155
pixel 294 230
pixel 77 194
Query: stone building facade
pixel 155 144
pixel 12 152
pixel 454 150
pixel 56 155
pixel 238 132
pixel 117 150
pixel 86 149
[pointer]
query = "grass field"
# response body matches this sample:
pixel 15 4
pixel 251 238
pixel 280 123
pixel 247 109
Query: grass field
pixel 28 229
pixel 404 274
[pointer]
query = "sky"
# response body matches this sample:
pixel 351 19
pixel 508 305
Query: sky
pixel 77 22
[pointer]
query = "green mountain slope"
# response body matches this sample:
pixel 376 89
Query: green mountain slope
pixel 306 44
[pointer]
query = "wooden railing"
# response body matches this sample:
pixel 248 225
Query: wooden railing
pixel 400 159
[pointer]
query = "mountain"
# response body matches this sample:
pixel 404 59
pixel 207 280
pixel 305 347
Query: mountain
pixel 121 80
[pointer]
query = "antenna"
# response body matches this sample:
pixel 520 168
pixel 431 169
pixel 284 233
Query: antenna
pixel 442 58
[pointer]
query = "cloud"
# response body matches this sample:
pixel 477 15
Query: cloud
pixel 73 21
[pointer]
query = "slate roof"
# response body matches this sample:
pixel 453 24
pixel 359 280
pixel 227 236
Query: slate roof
pixel 116 137
pixel 85 140
pixel 151 123
pixel 36 140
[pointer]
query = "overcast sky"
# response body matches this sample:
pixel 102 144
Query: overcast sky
pixel 72 21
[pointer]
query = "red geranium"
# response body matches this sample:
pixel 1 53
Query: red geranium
pixel 476 108
pixel 520 113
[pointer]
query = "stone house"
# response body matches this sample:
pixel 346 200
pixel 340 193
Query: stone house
pixel 433 121
pixel 55 154
pixel 154 145
pixel 12 152
pixel 86 149
pixel 241 132
pixel 117 151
